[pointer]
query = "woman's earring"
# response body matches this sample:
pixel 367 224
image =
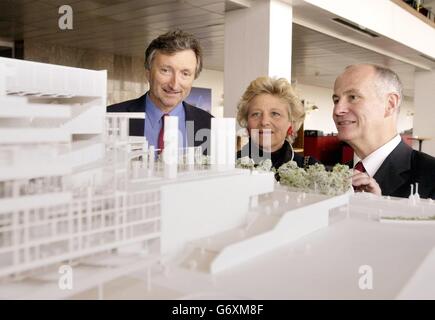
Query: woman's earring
pixel 290 131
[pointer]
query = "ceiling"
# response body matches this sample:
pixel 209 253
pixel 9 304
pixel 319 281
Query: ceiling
pixel 118 26
pixel 126 27
pixel 318 59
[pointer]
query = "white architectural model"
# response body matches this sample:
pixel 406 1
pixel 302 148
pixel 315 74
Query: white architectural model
pixel 84 206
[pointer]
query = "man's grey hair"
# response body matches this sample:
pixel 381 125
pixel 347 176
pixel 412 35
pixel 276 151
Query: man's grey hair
pixel 172 42
pixel 390 81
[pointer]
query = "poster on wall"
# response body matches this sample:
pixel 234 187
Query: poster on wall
pixel 200 98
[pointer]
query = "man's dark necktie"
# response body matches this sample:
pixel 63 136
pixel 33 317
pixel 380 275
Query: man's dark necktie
pixel 360 167
pixel 160 142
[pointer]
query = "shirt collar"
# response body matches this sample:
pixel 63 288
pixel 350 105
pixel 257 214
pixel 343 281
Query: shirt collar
pixel 375 159
pixel 154 114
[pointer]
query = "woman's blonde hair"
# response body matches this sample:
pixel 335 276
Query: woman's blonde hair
pixel 277 87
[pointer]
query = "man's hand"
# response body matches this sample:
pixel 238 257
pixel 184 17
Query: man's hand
pixel 361 181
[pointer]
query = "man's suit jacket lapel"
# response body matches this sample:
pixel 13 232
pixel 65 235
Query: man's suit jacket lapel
pixel 395 171
pixel 137 125
pixel 193 124
pixel 190 130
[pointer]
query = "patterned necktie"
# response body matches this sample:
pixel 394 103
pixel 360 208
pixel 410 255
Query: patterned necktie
pixel 360 167
pixel 160 142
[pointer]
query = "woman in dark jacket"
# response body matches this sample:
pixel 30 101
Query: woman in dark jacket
pixel 272 113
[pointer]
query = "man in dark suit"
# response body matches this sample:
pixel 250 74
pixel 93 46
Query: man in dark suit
pixel 366 106
pixel 172 62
